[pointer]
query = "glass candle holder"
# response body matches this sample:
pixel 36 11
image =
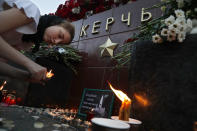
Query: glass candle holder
pixel 1 96
pixel 4 95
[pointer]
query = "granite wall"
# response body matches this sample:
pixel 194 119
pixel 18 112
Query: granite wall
pixel 95 71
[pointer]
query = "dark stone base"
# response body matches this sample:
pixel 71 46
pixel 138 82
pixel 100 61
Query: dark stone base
pixel 55 91
pixel 166 75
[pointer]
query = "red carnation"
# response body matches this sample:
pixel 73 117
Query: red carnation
pixel 100 8
pixel 130 40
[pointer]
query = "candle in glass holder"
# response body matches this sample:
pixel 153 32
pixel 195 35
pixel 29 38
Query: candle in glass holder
pixel 4 93
pixel 12 102
pixel 7 100
pixel 1 88
pixel 73 112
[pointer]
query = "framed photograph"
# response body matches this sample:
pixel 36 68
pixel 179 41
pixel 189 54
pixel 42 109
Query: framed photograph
pixel 100 101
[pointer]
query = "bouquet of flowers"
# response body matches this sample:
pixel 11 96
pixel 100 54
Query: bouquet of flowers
pixel 173 25
pixel 78 9
pixel 63 54
pixel 175 28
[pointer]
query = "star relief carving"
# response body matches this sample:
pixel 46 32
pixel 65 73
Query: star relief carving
pixel 107 49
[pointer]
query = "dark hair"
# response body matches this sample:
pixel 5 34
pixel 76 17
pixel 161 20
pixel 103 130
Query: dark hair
pixel 69 27
pixel 44 22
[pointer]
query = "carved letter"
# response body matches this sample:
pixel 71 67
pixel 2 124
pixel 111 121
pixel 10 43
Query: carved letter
pixel 110 21
pixel 83 30
pixel 128 20
pixel 95 25
pixel 148 14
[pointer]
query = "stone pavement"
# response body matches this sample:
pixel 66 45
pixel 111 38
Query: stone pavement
pixel 18 119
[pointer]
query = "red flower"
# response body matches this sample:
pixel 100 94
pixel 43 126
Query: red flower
pixel 60 7
pixel 130 40
pixel 100 8
pixel 65 10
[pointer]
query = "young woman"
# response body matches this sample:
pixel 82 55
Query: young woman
pixel 18 17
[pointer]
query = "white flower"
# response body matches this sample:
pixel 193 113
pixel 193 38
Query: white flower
pixel 172 31
pixel 189 23
pixel 181 37
pixel 164 32
pixel 76 10
pixel 157 39
pixel 61 50
pixel 179 13
pixel 170 20
pixel 171 37
pixel 182 28
pixel 181 21
pixel 175 27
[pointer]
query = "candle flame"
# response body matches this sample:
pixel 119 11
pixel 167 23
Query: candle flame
pixel 4 83
pixel 49 74
pixel 141 100
pixel 122 96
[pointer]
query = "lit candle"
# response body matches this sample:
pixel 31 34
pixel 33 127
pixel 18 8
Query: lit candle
pixel 4 83
pixel 49 74
pixel 87 123
pixel 7 100
pixel 124 112
pixel 73 112
pixel 69 120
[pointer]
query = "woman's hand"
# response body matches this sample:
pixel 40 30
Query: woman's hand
pixel 38 73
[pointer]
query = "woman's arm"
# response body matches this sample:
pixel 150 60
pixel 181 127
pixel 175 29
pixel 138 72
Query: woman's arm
pixel 10 71
pixel 13 72
pixel 13 18
pixel 6 51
